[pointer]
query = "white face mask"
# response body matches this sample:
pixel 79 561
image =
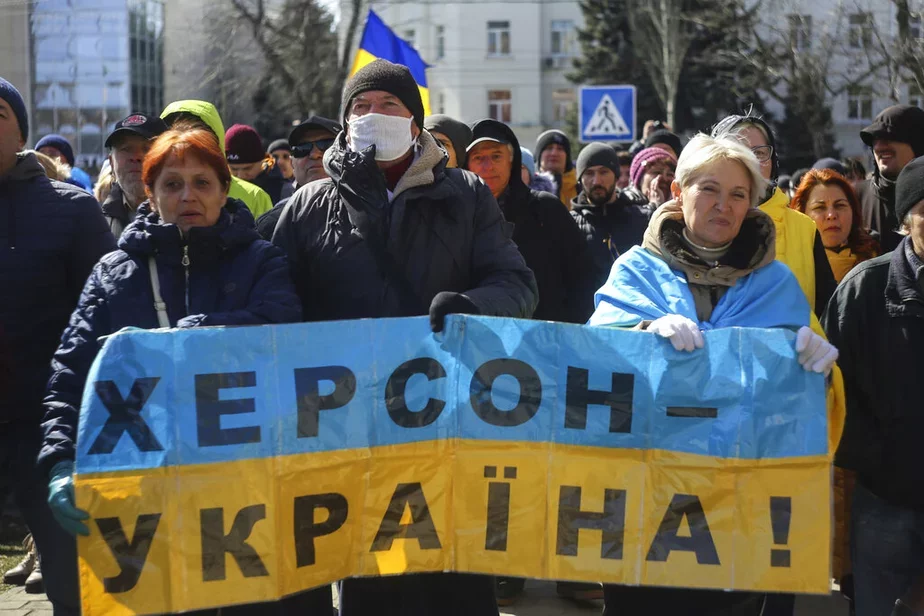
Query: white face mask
pixel 390 134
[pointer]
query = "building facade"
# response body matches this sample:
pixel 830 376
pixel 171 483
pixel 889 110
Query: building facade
pixel 94 62
pixel 502 60
pixel 852 46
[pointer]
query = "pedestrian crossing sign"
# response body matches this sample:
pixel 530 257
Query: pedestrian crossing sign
pixel 607 113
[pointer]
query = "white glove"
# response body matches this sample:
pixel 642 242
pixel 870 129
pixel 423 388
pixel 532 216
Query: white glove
pixel 683 333
pixel 815 353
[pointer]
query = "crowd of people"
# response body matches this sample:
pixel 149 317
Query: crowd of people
pixel 383 212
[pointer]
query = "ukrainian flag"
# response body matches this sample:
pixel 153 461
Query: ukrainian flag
pixel 379 42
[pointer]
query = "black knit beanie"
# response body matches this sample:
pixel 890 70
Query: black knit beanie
pixel 458 132
pixel 389 77
pixel 909 189
pixel 667 138
pixel 597 154
pixel 548 138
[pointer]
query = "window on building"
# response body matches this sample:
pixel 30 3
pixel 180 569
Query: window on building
pixel 498 38
pixel 915 27
pixel 440 42
pixel 410 35
pixel 499 105
pixel 562 37
pixel 562 101
pixel 915 96
pixel 861 28
pixel 800 31
pixel 860 103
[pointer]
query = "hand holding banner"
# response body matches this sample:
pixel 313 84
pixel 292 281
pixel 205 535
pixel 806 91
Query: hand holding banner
pixel 225 466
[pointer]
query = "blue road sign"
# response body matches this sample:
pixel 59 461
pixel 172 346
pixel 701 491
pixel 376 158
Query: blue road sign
pixel 607 113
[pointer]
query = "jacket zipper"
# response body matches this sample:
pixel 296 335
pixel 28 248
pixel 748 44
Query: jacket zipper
pixel 186 270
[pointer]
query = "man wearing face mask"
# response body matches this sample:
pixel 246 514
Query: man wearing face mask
pixel 395 233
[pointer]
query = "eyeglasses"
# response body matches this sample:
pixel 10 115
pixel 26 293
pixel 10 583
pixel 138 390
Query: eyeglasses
pixel 304 149
pixel 763 153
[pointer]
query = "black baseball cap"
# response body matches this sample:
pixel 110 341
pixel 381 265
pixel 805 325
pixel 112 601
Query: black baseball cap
pixel 489 130
pixel 314 122
pixel 137 124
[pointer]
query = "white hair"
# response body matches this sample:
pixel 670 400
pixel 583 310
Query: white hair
pixel 702 151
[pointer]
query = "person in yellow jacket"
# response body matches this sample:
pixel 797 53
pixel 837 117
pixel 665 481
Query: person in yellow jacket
pixel 798 243
pixel 799 246
pixel 256 199
pixel 553 154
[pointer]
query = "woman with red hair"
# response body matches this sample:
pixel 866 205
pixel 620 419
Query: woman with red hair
pixel 191 258
pixel 830 200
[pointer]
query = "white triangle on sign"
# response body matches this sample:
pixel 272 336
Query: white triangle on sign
pixel 606 120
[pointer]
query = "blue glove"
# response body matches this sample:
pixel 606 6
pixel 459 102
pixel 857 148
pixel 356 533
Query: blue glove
pixel 61 499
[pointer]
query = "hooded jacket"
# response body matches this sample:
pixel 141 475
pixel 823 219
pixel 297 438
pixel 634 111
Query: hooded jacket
pixel 358 252
pixel 876 320
pixel 877 205
pixel 234 278
pixel 550 242
pixel 51 236
pixel 799 246
pixel 609 230
pixel 253 196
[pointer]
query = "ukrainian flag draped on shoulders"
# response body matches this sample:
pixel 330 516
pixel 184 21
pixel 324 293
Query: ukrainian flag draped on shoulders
pixel 379 42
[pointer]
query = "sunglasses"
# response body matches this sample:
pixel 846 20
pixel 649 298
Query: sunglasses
pixel 304 149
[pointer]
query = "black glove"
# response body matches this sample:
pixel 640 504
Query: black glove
pixel 449 303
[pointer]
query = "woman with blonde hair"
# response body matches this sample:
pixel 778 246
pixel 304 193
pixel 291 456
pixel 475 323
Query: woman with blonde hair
pixel 707 261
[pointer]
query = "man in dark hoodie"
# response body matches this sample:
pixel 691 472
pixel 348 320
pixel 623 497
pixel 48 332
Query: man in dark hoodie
pixel 128 143
pixel 553 155
pixel 51 236
pixel 612 221
pixel 548 238
pixel 896 137
pixel 452 134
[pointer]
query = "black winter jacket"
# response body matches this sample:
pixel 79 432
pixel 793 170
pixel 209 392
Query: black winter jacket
pixel 266 223
pixel 876 320
pixel 51 235
pixel 235 278
pixel 877 203
pixel 442 231
pixel 276 186
pixel 609 230
pixel 551 244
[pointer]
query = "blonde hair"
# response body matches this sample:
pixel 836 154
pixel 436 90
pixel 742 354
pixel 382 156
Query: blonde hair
pixel 103 185
pixel 53 169
pixel 702 151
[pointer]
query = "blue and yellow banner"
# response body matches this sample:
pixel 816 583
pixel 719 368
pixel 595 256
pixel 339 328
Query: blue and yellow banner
pixel 380 42
pixel 232 465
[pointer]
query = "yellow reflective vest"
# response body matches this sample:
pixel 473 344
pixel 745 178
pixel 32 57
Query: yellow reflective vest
pixel 795 247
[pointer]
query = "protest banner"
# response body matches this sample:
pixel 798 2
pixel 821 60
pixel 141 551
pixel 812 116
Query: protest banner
pixel 231 465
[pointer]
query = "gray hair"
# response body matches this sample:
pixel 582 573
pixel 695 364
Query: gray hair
pixel 702 151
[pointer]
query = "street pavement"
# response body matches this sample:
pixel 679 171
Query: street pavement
pixel 539 600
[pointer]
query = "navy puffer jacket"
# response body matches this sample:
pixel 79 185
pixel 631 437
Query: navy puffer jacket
pixel 51 236
pixel 235 278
